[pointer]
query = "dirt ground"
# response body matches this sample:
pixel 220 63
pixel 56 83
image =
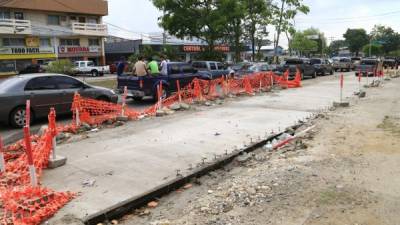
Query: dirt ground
pixel 346 171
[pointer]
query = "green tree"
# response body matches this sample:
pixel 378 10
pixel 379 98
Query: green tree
pixel 356 39
pixel 257 17
pixel 302 44
pixel 317 36
pixel 234 34
pixel 387 36
pixel 376 50
pixel 192 18
pixel 336 45
pixel 63 66
pixel 285 11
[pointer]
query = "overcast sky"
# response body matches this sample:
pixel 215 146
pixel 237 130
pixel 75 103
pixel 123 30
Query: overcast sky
pixel 332 17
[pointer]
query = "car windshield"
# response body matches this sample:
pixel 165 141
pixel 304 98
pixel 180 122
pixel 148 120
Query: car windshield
pixel 292 62
pixel 344 60
pixel 368 62
pixel 315 61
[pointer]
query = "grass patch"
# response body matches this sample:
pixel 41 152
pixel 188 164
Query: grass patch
pixel 111 84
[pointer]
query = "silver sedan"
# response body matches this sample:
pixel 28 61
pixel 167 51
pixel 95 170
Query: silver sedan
pixel 44 91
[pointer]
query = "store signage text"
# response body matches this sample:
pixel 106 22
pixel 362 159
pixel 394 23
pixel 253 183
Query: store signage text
pixel 199 48
pixel 66 49
pixel 22 50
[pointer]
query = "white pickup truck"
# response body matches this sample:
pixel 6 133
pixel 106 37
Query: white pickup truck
pixel 88 67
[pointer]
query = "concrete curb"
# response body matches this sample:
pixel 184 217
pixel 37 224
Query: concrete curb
pixel 127 206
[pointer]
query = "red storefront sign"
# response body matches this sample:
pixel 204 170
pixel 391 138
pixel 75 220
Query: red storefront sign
pixel 199 48
pixel 67 49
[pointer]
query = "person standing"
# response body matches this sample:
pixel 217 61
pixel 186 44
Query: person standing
pixel 140 68
pixel 121 66
pixel 153 67
pixel 164 66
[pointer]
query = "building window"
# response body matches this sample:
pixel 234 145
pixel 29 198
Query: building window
pixel 19 15
pixel 5 15
pixel 53 20
pixel 92 20
pixel 82 19
pixel 94 42
pixel 72 18
pixel 63 19
pixel 69 42
pixel 14 42
pixel 45 42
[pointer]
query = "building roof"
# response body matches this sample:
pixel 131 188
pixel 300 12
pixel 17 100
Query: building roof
pixel 91 7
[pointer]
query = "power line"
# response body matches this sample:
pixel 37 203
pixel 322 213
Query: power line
pixel 350 19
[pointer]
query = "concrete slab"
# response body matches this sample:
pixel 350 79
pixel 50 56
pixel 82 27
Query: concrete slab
pixel 130 160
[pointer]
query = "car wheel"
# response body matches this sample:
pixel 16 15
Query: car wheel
pixel 331 73
pixel 315 75
pixel 17 117
pixel 95 73
pixel 165 93
pixel 323 72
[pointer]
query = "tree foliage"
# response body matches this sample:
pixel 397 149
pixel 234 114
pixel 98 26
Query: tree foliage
pixel 302 44
pixel 376 49
pixel 284 12
pixel 387 36
pixel 356 39
pixel 336 45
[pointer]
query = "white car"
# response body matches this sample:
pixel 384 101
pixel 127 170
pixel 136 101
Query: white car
pixel 88 67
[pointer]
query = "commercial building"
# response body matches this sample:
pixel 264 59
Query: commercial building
pixel 186 49
pixel 36 31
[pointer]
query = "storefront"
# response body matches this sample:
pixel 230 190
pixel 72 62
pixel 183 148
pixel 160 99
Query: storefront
pixel 78 53
pixel 14 59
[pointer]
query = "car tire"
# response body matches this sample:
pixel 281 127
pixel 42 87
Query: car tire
pixel 331 72
pixel 315 75
pixel 323 73
pixel 17 117
pixel 95 73
pixel 165 93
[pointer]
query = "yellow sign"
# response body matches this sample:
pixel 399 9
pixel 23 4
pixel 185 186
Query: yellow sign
pixel 32 42
pixel 28 56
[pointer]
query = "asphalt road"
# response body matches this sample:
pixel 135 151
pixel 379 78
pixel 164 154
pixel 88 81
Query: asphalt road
pixel 10 134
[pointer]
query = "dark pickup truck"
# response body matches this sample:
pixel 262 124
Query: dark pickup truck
pixel 139 87
pixel 303 64
pixel 367 67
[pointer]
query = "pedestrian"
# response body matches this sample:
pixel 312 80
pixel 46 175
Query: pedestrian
pixel 153 67
pixel 163 66
pixel 121 66
pixel 140 68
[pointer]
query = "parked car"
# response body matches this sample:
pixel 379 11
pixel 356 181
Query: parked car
pixel 212 69
pixel 343 64
pixel 389 63
pixel 254 68
pixel 239 68
pixel 33 68
pixel 294 64
pixel 322 66
pixel 44 91
pixel 356 61
pixel 140 87
pixel 88 67
pixel 367 67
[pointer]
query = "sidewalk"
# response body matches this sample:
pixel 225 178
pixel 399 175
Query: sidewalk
pixel 128 161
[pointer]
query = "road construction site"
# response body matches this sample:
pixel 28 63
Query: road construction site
pixel 345 171
pixel 115 169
